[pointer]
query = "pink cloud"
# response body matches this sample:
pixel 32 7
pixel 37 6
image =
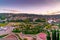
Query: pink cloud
pixel 10 10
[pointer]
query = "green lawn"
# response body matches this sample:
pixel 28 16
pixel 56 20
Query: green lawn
pixel 1 36
pixel 3 24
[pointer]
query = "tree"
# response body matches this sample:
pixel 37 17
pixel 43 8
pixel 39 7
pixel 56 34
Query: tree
pixel 27 20
pixel 16 20
pixel 48 35
pixel 19 20
pixel 53 34
pixel 25 39
pixel 57 36
pixel 3 18
pixel 40 20
pixel 48 26
pixel 19 38
pixel 16 30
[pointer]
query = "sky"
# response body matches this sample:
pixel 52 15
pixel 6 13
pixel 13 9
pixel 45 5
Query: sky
pixel 30 6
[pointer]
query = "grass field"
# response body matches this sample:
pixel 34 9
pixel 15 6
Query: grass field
pixel 1 36
pixel 3 24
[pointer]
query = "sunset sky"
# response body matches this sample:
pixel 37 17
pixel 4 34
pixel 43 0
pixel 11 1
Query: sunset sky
pixel 30 6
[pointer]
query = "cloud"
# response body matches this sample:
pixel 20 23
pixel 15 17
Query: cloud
pixel 57 12
pixel 10 10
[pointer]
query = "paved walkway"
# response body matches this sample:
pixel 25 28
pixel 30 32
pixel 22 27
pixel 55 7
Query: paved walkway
pixel 7 31
pixel 10 37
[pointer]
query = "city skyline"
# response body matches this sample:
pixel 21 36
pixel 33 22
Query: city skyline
pixel 30 6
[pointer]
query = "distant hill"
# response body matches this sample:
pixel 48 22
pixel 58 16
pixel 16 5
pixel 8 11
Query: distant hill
pixel 29 15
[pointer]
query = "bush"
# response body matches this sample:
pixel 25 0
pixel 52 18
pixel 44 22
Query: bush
pixel 16 30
